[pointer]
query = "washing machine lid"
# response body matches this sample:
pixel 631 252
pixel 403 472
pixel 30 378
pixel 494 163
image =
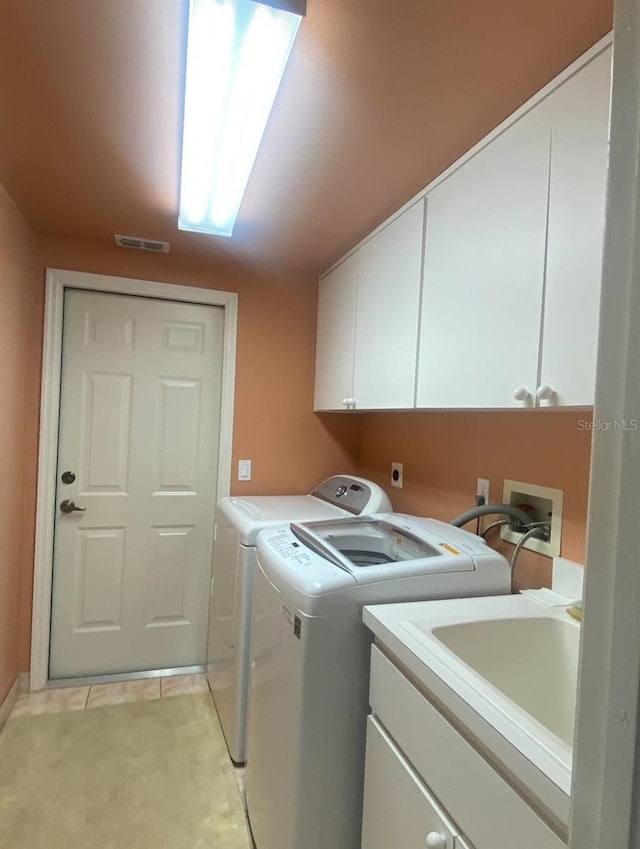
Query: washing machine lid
pixel 340 495
pixel 389 546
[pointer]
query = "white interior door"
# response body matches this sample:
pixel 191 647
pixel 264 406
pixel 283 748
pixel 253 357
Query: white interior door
pixel 139 432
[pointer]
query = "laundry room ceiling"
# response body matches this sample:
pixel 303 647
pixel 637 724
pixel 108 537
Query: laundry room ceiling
pixel 379 96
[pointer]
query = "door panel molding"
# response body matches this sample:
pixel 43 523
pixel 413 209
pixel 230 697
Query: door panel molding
pixel 57 280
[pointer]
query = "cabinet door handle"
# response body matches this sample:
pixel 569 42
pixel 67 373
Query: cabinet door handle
pixel 435 840
pixel 545 393
pixel 521 393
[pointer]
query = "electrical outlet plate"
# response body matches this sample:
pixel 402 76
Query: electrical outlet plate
pixel 396 475
pixel 482 488
pixel 543 502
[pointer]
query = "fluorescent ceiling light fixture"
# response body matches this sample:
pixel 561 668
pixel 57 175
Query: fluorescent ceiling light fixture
pixel 236 55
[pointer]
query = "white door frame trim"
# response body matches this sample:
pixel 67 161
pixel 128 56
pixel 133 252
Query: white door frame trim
pixel 57 281
pixel 606 776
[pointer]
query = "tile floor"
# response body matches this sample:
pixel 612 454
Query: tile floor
pixel 81 698
pixel 96 695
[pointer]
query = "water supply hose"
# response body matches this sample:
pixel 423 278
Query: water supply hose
pixel 487 509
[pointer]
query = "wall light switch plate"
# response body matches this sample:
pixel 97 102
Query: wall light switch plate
pixel 244 470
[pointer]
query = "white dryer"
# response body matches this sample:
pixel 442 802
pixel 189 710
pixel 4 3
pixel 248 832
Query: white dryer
pixel 237 523
pixel 310 659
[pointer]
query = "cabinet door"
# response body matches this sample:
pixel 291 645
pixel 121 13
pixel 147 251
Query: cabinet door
pixel 483 804
pixel 398 809
pixel 484 273
pixel 579 114
pixel 335 336
pixel 390 266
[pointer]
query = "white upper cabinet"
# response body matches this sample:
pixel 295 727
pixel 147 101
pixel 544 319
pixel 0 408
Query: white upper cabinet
pixel 368 321
pixel 484 268
pixel 335 339
pixel 390 266
pixel 513 259
pixel 579 115
pixel 485 292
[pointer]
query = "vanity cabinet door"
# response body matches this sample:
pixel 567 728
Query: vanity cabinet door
pixel 335 340
pixel 484 275
pixel 487 809
pixel 398 809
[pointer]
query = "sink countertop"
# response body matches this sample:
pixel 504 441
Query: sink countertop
pixel 530 753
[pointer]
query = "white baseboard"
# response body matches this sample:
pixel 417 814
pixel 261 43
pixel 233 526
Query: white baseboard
pixel 25 682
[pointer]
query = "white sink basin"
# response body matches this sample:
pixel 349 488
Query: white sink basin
pixel 534 662
pixel 513 662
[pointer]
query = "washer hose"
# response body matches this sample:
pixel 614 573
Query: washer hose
pixel 487 509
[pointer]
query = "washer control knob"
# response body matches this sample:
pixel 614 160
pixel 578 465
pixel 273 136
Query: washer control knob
pixel 435 840
pixel 340 491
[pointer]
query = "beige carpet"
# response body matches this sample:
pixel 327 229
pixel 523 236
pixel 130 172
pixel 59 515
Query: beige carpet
pixel 148 775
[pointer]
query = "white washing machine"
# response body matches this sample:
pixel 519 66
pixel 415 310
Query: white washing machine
pixel 237 523
pixel 310 659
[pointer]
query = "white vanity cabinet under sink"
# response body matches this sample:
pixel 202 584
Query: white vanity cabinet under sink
pixel 399 811
pixel 455 765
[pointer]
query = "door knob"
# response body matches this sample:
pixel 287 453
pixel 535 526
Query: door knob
pixel 435 840
pixel 68 506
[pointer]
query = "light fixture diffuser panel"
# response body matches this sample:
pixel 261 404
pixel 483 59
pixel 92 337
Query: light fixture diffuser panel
pixel 236 55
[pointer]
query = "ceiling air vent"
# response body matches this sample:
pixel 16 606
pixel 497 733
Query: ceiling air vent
pixel 142 244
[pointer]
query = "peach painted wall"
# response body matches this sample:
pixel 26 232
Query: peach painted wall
pixel 274 426
pixel 18 285
pixel 445 452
